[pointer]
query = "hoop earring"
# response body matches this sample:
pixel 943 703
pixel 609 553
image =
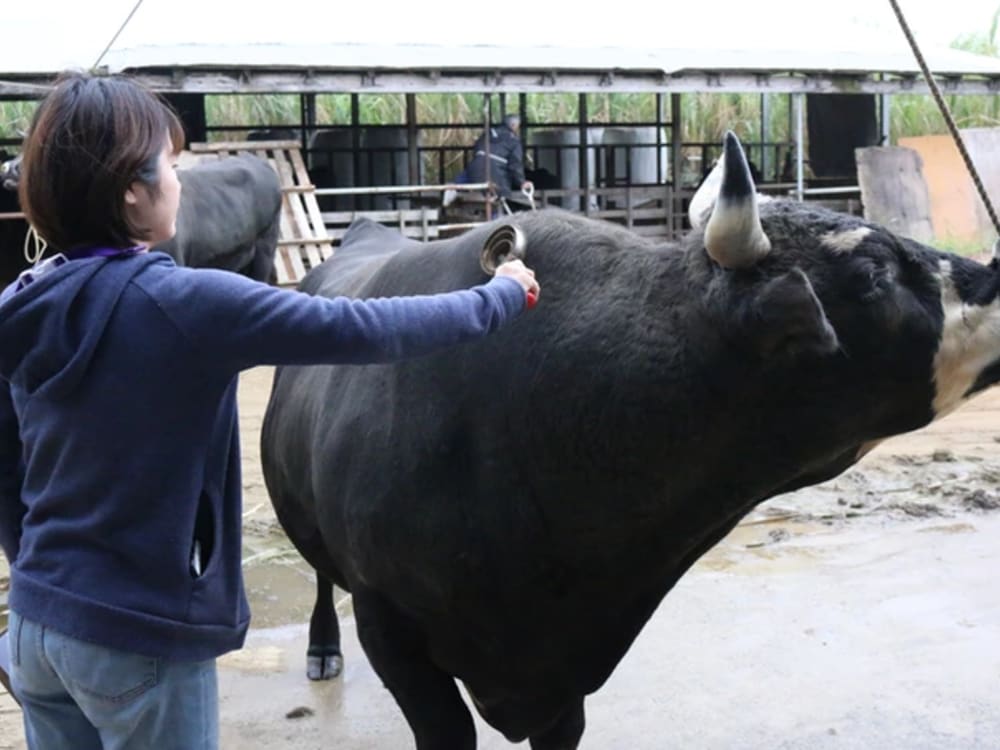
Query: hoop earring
pixel 40 245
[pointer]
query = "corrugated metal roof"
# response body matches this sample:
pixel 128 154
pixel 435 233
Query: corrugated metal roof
pixel 432 57
pixel 47 36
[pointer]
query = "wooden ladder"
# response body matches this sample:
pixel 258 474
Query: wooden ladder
pixel 303 242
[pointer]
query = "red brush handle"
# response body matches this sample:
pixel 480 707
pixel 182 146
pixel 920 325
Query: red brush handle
pixel 532 300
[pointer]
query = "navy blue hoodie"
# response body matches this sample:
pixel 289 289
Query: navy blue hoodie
pixel 119 439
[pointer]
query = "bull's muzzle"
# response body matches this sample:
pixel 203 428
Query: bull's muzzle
pixel 506 242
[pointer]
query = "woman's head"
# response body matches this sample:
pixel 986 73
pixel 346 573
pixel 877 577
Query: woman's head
pixel 93 164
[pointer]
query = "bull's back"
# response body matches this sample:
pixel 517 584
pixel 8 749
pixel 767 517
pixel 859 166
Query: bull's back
pixel 319 420
pixel 376 261
pixel 359 434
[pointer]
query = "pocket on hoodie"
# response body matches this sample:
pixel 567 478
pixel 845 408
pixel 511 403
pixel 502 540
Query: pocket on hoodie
pixel 206 540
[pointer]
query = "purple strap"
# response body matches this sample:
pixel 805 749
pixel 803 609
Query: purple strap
pixel 79 253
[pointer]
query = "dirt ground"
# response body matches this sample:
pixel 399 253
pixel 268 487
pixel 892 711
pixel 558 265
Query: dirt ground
pixel 859 613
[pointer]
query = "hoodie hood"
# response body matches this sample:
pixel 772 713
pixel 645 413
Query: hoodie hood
pixel 51 327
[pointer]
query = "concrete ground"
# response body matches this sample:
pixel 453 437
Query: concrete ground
pixel 863 613
pixel 879 639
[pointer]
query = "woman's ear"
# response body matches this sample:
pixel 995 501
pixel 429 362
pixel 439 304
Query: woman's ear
pixel 130 197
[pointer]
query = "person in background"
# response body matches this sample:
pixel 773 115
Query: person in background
pixel 120 488
pixel 506 159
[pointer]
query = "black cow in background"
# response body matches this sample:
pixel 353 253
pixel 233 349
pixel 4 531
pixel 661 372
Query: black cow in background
pixel 228 219
pixel 13 232
pixel 10 170
pixel 542 179
pixel 510 513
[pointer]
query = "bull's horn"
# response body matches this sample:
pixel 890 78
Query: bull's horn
pixel 505 243
pixel 734 237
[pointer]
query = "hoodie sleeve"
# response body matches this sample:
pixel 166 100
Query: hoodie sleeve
pixel 245 323
pixel 11 476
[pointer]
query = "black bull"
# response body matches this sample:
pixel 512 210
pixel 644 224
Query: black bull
pixel 228 219
pixel 511 512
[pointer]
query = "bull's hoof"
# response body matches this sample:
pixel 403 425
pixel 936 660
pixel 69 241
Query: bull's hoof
pixel 324 667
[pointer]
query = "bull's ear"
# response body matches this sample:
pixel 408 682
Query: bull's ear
pixel 787 319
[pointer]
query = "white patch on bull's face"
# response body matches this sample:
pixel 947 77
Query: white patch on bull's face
pixel 844 242
pixel 970 342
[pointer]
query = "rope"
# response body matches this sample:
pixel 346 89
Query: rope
pixel 952 127
pixel 115 37
pixel 33 237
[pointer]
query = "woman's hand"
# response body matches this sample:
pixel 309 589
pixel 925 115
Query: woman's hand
pixel 523 275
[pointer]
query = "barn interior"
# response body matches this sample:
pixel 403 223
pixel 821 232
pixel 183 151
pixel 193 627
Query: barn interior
pixel 836 88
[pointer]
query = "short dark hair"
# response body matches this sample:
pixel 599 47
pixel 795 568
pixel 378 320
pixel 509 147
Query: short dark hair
pixel 90 139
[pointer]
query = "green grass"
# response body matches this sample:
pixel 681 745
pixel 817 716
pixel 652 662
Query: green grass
pixel 968 248
pixel 15 118
pixel 704 117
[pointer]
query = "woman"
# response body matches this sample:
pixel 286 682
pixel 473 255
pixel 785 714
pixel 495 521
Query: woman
pixel 119 452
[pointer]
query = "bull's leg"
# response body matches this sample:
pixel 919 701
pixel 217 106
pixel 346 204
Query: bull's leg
pixel 261 267
pixel 565 732
pixel 324 659
pixel 428 697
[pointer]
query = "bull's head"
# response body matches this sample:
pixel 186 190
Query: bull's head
pixel 786 312
pixel 10 173
pixel 839 290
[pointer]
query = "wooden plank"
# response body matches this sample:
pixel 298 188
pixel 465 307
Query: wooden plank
pixel 289 266
pixel 303 242
pixel 295 260
pixel 299 165
pixel 304 207
pixel 957 211
pixel 312 207
pixel 337 233
pixel 346 217
pixel 309 252
pixel 301 221
pixel 203 147
pixel 287 226
pixel 650 230
pixel 638 214
pixel 982 144
pixel 952 194
pixel 281 269
pixel 894 192
pixel 420 224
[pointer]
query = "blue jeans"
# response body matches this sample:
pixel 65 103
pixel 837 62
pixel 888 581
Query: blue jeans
pixel 81 696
